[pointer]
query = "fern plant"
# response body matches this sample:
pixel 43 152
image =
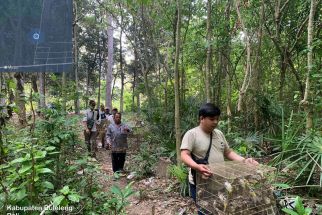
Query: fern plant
pixel 180 172
pixel 299 208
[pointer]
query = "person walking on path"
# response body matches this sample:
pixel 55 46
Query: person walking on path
pixel 102 127
pixel 205 145
pixel 112 115
pixel 117 135
pixel 91 119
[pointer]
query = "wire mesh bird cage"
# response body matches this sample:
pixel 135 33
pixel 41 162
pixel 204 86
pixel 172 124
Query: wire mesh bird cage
pixel 236 189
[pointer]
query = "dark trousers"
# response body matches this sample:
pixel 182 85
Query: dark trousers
pixel 118 160
pixel 90 141
pixel 193 195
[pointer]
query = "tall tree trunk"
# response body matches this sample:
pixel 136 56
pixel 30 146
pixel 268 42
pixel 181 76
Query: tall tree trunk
pixel 133 89
pixel 100 69
pixel 20 99
pixel 167 60
pixel 34 82
pixel 11 95
pixel 3 108
pixel 209 52
pixel 147 85
pixel 42 96
pixel 63 90
pixel 135 76
pixel 121 65
pixel 138 102
pixel 3 113
pixel 283 66
pixel 305 101
pixel 257 68
pixel 226 63
pixel 248 69
pixel 2 80
pixel 176 84
pixel 109 73
pixel 76 101
pixel 87 86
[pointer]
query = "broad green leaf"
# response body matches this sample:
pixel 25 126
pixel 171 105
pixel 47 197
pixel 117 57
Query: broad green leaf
pixel 128 193
pixel 4 166
pixel 24 169
pixel 308 211
pixel 289 211
pixel 13 189
pixel 56 140
pixel 18 160
pixel 116 190
pixel 21 194
pixel 50 148
pixel 11 84
pixel 57 200
pixel 40 154
pixel 281 185
pixel 53 153
pixel 74 197
pixel 44 170
pixel 299 205
pixel 48 185
pixel 64 190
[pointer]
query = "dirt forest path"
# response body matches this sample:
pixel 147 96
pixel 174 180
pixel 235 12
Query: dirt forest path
pixel 155 194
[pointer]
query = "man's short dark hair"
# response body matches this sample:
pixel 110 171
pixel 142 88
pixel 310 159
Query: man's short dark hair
pixel 209 110
pixel 92 102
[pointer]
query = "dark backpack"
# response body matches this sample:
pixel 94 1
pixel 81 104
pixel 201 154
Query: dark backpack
pixel 90 122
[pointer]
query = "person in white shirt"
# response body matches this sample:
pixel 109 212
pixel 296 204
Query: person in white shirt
pixel 91 119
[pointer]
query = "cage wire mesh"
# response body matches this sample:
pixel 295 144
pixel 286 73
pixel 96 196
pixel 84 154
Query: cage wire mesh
pixel 237 189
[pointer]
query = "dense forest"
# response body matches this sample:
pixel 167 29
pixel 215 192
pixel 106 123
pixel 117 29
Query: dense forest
pixel 157 61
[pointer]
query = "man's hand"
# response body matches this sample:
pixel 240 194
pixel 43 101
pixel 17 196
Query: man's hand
pixel 204 170
pixel 87 131
pixel 250 161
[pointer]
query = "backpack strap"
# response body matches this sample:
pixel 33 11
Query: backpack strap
pixel 194 172
pixel 208 152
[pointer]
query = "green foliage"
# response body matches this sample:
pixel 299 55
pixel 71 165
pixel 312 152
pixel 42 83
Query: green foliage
pixel 299 208
pixel 249 146
pixel 180 173
pixel 145 160
pixel 119 198
pixel 65 197
pixel 50 164
pixel 288 138
pixel 27 170
pixel 300 154
pixel 161 122
pixel 305 159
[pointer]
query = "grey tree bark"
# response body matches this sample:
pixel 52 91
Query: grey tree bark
pixel 42 96
pixel 176 84
pixel 209 52
pixel 109 72
pixel 20 99
pixel 248 69
pixel 63 90
pixel 121 63
pixel 305 101
pixel 76 101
